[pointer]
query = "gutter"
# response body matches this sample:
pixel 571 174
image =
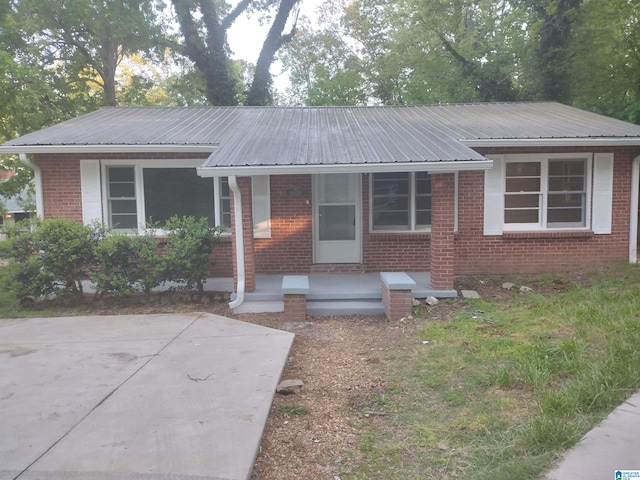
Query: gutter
pixel 237 211
pixel 38 180
pixel 431 167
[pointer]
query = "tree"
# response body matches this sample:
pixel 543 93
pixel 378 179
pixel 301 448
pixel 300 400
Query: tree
pixel 551 26
pixel 204 25
pixel 414 51
pixel 606 63
pixel 87 39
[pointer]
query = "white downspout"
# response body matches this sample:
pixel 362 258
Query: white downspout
pixel 37 173
pixel 237 219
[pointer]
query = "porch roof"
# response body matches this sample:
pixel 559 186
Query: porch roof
pixel 246 139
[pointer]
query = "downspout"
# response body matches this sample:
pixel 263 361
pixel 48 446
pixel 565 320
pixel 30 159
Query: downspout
pixel 237 219
pixel 37 173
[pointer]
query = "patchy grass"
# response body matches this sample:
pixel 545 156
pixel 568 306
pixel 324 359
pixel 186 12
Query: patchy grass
pixel 293 409
pixel 502 388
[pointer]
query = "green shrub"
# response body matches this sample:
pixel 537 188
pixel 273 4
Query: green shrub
pixel 51 258
pixel 125 264
pixel 186 256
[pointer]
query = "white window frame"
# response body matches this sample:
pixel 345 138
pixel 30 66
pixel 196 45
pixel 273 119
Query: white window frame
pixel 412 208
pixel 139 166
pixel 544 159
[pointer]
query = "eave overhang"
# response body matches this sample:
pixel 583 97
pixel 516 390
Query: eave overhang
pixel 433 167
pixel 551 142
pixel 100 149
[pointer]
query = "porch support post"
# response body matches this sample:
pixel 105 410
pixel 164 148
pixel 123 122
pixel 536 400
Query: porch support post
pixel 244 183
pixel 442 230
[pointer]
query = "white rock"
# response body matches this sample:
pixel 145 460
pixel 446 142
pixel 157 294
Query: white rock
pixel 431 301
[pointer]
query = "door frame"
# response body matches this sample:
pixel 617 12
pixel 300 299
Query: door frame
pixel 356 184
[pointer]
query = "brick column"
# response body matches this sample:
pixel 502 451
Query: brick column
pixel 396 294
pixel 244 183
pixel 295 289
pixel 442 230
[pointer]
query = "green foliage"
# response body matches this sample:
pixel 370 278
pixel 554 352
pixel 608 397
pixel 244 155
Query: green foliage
pixel 51 258
pixel 186 256
pixel 125 264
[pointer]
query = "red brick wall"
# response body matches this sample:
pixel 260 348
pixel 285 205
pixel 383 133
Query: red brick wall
pixel 290 248
pixel 537 253
pixel 443 187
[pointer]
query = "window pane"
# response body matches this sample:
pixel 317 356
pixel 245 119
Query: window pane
pixel 391 184
pixel 524 169
pixel 122 190
pixel 569 184
pixel 124 221
pixel 521 216
pixel 523 184
pixel 423 203
pixel 521 201
pixel 566 208
pixel 123 206
pixel 565 215
pixel 566 200
pixel 177 191
pixel 336 188
pixel 391 201
pixel 391 221
pixel 423 183
pixel 566 167
pixel 337 222
pixel 121 174
pixel 396 204
pixel 423 218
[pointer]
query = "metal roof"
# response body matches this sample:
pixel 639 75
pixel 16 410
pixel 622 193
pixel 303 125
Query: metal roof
pixel 320 136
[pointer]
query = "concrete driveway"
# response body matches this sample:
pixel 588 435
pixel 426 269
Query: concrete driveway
pixel 180 396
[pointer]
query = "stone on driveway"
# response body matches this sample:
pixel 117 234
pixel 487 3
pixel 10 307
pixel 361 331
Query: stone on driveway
pixel 135 396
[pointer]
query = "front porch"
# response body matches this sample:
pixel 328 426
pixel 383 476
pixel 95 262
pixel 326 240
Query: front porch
pixel 329 293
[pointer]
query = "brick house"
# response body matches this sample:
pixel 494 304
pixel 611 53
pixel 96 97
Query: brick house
pixel 445 189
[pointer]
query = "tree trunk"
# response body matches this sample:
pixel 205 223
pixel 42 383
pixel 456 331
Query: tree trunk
pixel 260 90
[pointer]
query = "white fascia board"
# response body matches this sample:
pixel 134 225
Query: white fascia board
pixel 36 149
pixel 433 167
pixel 552 142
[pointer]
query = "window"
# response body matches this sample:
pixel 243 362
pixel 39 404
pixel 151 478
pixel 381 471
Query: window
pixel 401 201
pixel 549 193
pixel 137 195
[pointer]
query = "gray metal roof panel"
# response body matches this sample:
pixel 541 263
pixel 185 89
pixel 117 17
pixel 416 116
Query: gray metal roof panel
pixel 257 136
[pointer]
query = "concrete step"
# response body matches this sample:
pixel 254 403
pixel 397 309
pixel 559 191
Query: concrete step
pixel 323 308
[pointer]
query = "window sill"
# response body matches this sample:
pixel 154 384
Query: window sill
pixel 548 234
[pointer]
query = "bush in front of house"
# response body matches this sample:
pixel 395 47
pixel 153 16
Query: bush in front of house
pixel 190 242
pixel 51 257
pixel 125 264
pixel 54 257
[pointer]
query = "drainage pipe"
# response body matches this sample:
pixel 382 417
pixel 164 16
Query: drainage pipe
pixel 37 174
pixel 237 219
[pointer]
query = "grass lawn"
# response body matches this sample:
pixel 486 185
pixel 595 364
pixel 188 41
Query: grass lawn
pixel 501 388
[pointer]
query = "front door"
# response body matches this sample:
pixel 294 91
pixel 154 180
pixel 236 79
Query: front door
pixel 337 227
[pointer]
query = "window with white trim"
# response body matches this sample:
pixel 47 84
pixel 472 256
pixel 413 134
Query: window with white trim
pixel 400 201
pixel 137 195
pixel 546 193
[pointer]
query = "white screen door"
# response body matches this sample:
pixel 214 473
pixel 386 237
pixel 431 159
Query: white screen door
pixel 337 216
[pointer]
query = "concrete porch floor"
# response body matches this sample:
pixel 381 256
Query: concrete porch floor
pixel 330 293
